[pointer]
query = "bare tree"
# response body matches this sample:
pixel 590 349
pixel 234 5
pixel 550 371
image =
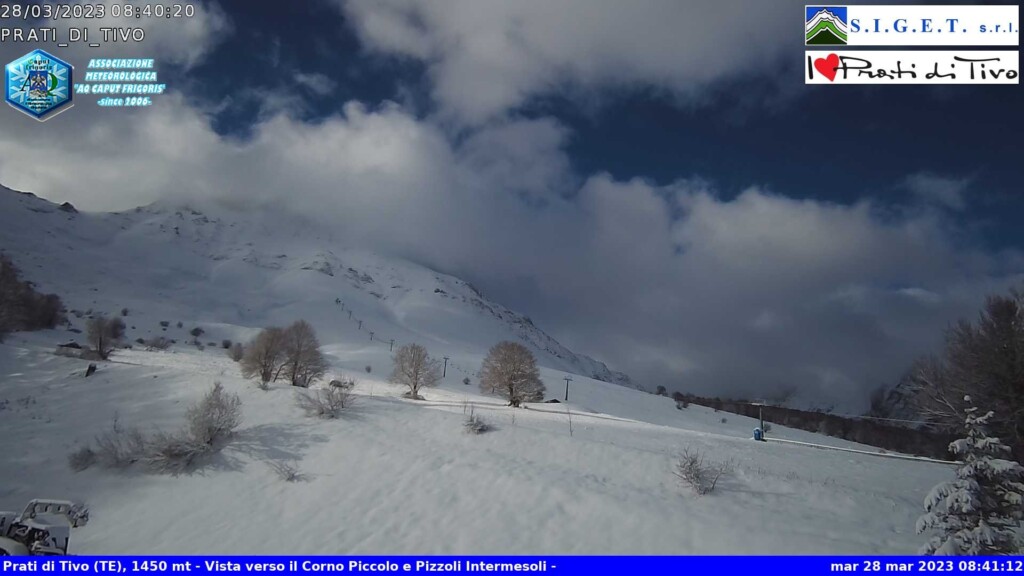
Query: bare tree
pixel 984 360
pixel 415 369
pixel 304 362
pixel 511 371
pixel 264 355
pixel 103 333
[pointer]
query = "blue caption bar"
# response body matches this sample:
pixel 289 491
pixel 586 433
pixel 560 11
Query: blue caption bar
pixel 560 565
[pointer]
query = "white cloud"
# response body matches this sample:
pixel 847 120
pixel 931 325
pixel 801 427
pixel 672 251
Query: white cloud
pixel 939 191
pixel 319 84
pixel 486 56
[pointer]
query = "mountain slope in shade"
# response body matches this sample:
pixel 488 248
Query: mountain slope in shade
pixel 218 267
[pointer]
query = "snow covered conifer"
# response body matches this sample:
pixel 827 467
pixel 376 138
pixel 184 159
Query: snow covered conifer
pixel 979 512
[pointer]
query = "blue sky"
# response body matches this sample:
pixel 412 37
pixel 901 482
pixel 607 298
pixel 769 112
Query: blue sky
pixel 652 182
pixel 747 131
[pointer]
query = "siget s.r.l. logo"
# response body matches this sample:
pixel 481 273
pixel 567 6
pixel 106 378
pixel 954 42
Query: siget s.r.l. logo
pixel 826 26
pixel 39 84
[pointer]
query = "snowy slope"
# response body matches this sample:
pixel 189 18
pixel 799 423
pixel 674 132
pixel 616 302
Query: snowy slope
pixel 593 475
pixel 219 266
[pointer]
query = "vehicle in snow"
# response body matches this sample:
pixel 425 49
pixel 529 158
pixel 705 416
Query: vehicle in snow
pixel 43 528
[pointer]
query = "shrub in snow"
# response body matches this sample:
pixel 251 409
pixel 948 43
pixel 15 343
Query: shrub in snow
pixel 225 344
pixel 980 512
pixel 174 453
pixel 344 384
pixel 81 459
pixel 415 369
pixel 369 368
pixel 699 475
pixel 327 403
pixel 119 447
pixel 466 380
pixel 511 371
pixel 164 323
pixel 236 352
pixel 210 421
pixel 124 311
pixel 215 417
pixel 157 343
pixel 476 425
pixel 287 471
pixel 180 324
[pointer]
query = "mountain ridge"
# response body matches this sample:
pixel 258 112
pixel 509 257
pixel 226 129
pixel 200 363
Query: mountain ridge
pixel 189 246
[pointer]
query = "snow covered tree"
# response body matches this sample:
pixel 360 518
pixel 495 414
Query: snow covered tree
pixel 511 371
pixel 415 369
pixel 979 512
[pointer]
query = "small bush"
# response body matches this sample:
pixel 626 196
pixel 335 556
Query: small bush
pixel 328 403
pixel 210 420
pixel 124 311
pixel 475 424
pixel 164 323
pixel 225 344
pixel 466 380
pixel 724 420
pixel 215 417
pixel 369 368
pixel 346 384
pixel 287 471
pixel 236 352
pixel 174 453
pixel 140 341
pixel 119 447
pixel 157 343
pixel 196 332
pixel 81 459
pixel 698 475
pixel 180 324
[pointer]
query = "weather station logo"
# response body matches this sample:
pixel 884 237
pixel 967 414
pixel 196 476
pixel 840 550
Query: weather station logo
pixel 39 84
pixel 826 26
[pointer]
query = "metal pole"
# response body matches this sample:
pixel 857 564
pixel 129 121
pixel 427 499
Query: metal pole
pixel 445 373
pixel 392 347
pixel 567 380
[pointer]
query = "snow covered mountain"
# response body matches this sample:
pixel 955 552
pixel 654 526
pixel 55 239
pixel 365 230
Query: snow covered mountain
pixel 218 266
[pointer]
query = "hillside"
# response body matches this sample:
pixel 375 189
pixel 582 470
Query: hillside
pixel 216 266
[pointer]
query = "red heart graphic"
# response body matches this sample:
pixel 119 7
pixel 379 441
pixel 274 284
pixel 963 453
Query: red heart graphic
pixel 827 66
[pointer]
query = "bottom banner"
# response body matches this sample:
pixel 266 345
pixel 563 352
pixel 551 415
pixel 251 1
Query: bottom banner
pixel 562 565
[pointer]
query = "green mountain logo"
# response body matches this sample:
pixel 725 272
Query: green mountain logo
pixel 826 26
